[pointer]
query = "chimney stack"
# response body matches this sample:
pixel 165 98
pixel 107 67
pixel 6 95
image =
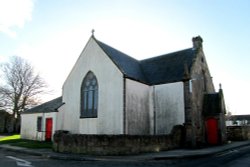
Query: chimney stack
pixel 197 42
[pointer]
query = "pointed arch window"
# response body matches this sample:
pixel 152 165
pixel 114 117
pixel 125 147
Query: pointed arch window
pixel 89 96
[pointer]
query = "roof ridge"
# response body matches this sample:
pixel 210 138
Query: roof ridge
pixel 161 69
pixel 167 54
pixel 116 50
pixel 128 65
pixel 45 104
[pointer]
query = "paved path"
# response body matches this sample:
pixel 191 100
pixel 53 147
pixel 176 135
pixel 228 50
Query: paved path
pixel 239 157
pixel 163 155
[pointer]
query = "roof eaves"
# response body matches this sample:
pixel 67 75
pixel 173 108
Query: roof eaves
pixel 134 79
pixel 56 109
pixel 37 112
pixel 47 107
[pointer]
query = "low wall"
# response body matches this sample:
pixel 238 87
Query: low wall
pixel 238 133
pixel 116 144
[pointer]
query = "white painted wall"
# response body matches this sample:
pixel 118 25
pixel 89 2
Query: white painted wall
pixel 169 106
pixel 29 125
pixel 229 123
pixel 110 95
pixel 154 109
pixel 137 108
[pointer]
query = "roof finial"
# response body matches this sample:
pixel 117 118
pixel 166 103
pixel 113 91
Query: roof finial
pixel 93 31
pixel 220 86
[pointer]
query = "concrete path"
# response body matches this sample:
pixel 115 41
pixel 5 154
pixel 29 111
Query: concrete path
pixel 172 154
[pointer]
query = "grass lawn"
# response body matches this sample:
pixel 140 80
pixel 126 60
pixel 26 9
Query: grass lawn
pixel 15 140
pixel 13 137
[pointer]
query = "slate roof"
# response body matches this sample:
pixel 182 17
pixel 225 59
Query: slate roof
pixel 157 70
pixel 50 106
pixel 128 65
pixel 168 68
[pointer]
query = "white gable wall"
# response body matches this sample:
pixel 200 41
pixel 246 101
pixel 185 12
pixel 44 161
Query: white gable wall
pixel 137 108
pixel 168 106
pixel 110 95
pixel 153 109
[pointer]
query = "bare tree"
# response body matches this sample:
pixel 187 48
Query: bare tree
pixel 20 86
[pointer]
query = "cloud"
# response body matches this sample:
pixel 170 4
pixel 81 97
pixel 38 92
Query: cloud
pixel 14 14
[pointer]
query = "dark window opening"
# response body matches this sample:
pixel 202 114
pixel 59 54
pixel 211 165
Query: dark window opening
pixel 204 81
pixel 39 124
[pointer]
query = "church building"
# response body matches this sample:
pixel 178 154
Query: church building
pixel 109 92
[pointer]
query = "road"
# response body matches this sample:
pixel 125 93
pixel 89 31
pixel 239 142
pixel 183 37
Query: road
pixel 233 158
pixel 12 159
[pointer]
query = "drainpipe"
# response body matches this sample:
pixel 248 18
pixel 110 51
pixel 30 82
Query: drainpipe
pixel 154 110
pixel 43 127
pixel 125 131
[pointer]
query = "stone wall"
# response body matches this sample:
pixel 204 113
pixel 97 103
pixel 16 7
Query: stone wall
pixel 238 133
pixel 116 144
pixel 200 83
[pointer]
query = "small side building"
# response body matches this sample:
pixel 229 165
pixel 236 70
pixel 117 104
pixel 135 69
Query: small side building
pixel 238 127
pixel 238 120
pixel 38 123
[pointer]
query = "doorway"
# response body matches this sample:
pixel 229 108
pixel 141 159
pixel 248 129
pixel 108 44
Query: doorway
pixel 49 126
pixel 212 131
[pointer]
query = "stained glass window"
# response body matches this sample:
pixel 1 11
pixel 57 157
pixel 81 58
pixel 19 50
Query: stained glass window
pixel 89 96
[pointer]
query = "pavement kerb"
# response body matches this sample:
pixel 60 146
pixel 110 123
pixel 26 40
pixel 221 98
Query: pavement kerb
pixel 231 148
pixel 160 156
pixel 50 156
pixel 200 155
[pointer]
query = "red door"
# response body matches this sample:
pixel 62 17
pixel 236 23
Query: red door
pixel 49 125
pixel 212 131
